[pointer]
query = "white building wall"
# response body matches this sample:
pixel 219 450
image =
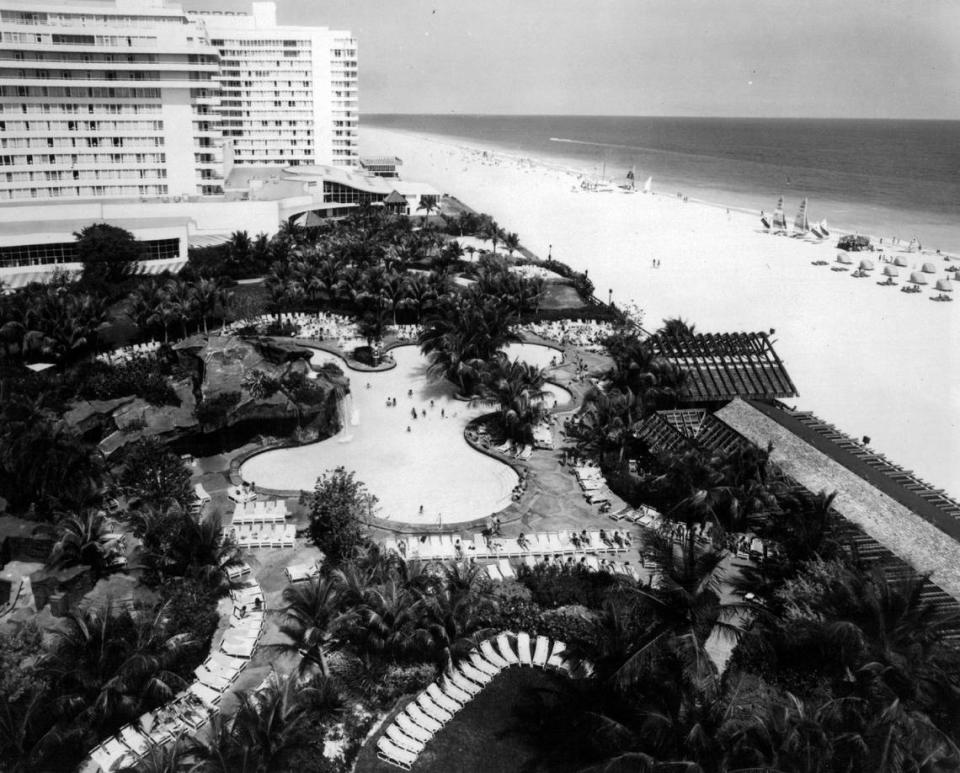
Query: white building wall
pixel 176 112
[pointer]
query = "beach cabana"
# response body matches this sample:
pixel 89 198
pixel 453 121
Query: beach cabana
pixel 944 286
pixel 866 265
pixel 899 261
pixel 917 278
pixel 929 268
pixel 845 259
pixel 890 271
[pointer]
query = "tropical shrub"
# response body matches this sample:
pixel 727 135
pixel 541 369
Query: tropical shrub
pixel 141 377
pixel 337 509
pixel 152 473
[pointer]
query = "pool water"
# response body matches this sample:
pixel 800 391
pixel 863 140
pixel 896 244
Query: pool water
pixel 430 466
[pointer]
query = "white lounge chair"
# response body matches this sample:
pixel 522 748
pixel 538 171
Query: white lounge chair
pixel 442 699
pixel 449 687
pixel 211 680
pixel 493 572
pixel 433 709
pixel 557 658
pixel 542 652
pixel 463 683
pixel 422 718
pixel 404 741
pixel 506 650
pixel 390 752
pixel 474 674
pixel 484 664
pixel 208 696
pixel 411 728
pixel 523 649
pixel 506 570
pixel 492 656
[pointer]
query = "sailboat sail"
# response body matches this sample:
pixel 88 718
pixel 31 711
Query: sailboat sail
pixel 823 228
pixel 647 185
pixel 779 219
pixel 801 223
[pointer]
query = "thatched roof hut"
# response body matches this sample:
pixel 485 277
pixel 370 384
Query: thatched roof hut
pixel 890 271
pixel 844 259
pixel 917 278
pixel 929 268
pixel 866 265
pixel 900 261
pixel 944 286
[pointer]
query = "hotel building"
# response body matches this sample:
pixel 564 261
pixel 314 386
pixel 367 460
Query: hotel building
pixel 115 100
pixel 288 94
pixel 137 112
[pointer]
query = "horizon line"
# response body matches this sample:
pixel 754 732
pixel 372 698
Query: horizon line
pixel 634 115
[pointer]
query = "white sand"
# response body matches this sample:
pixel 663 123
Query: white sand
pixel 872 360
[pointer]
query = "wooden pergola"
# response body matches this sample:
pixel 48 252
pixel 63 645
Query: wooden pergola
pixel 722 366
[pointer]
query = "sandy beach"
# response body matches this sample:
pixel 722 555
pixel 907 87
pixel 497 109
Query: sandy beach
pixel 872 360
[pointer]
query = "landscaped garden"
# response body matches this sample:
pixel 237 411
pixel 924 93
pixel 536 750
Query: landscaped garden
pixel 835 668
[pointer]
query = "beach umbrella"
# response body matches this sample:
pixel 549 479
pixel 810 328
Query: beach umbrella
pixel 890 271
pixel 917 278
pixel 929 268
pixel 842 257
pixel 944 286
pixel 866 265
pixel 898 261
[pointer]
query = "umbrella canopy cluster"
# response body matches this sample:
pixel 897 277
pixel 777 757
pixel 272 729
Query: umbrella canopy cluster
pixel 944 286
pixel 866 265
pixel 929 268
pixel 890 271
pixel 900 261
pixel 917 278
pixel 842 257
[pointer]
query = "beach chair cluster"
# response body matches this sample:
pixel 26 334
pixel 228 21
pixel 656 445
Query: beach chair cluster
pixel 263 525
pixel 407 332
pixel 503 568
pixel 430 547
pixel 508 448
pixel 192 708
pixel 586 334
pixel 593 484
pixel 302 572
pixel 130 353
pixel 422 718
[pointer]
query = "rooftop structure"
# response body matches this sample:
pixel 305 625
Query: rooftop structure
pixel 722 366
pixel 383 166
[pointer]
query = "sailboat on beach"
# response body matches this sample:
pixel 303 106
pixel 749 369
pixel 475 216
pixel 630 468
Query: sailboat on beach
pixel 779 219
pixel 648 185
pixel 801 226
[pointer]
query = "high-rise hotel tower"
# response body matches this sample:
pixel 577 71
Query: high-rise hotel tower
pixel 139 99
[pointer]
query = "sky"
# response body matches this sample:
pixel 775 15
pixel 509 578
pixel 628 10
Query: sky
pixel 764 58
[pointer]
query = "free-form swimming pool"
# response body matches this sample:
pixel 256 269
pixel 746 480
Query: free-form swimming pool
pixel 430 466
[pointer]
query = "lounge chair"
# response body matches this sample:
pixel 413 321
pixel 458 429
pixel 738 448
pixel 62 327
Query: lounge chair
pixel 390 752
pixel 211 680
pixel 523 649
pixel 542 652
pixel 480 548
pixel 134 739
pixel 404 741
pixel 411 728
pixel 482 662
pixel 460 681
pixel 492 656
pixel 449 687
pixel 442 699
pixel 208 696
pixel 506 570
pixel 506 650
pixel 557 658
pixel 493 572
pixel 592 563
pixel 475 674
pixel 422 719
pixel 530 562
pixel 556 546
pixel 433 709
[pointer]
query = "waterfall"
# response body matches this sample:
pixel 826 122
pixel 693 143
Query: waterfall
pixel 346 414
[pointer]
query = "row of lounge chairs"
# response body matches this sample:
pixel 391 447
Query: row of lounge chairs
pixel 260 511
pixel 265 535
pixel 503 569
pixel 445 546
pixel 131 352
pixel 523 453
pixel 588 334
pixel 423 717
pixel 188 712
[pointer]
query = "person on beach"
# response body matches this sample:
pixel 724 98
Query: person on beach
pixel 413 412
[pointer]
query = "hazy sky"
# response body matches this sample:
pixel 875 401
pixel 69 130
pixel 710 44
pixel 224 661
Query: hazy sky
pixel 820 58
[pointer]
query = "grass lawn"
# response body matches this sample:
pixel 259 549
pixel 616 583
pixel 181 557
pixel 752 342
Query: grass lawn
pixel 559 295
pixel 481 738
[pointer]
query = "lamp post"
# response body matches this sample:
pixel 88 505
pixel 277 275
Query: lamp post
pixel 610 297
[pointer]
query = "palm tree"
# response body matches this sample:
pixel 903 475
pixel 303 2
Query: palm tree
pixel 312 613
pixel 420 295
pixel 605 423
pixel 512 242
pixel 517 389
pixel 82 539
pixel 428 205
pixel 206 295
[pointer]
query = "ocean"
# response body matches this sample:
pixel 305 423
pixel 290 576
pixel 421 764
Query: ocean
pixel 885 178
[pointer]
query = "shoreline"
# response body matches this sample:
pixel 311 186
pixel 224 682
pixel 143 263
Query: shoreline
pixel 871 360
pixel 577 174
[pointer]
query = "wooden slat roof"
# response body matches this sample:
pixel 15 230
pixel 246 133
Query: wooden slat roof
pixel 721 366
pixel 682 429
